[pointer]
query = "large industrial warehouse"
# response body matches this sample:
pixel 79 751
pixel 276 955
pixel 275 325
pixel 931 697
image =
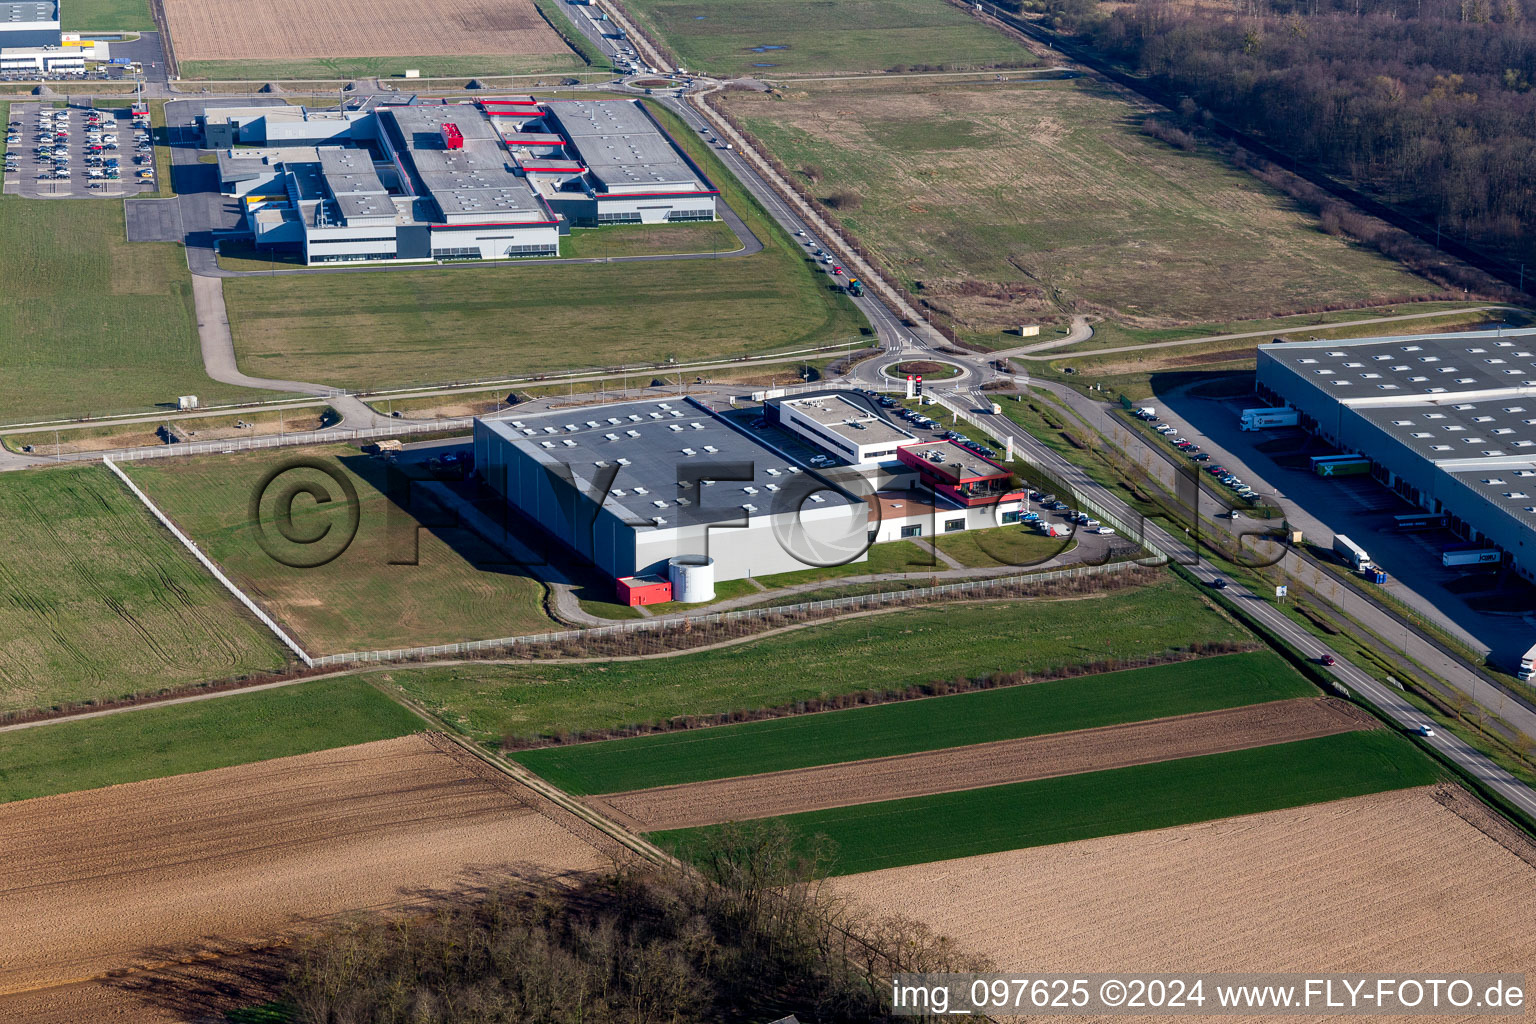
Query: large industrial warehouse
pixel 492 179
pixel 1448 422
pixel 635 485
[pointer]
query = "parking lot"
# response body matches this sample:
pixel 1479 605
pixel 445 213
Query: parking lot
pixel 76 152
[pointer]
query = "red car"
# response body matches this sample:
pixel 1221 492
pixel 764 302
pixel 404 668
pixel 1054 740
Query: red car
pixel 1216 470
pixel 1325 660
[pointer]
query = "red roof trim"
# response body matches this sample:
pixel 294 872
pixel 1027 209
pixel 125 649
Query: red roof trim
pixel 651 195
pixel 495 224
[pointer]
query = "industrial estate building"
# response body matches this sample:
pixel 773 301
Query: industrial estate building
pixel 1448 422
pixel 31 23
pixel 491 179
pixel 30 40
pixel 848 428
pixel 633 486
pixel 663 495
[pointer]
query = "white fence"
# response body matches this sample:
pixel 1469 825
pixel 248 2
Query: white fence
pixel 619 629
pixel 207 563
pixel 309 437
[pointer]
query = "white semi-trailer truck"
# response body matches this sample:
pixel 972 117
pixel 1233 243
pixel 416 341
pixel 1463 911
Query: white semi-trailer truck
pixel 1351 552
pixel 1456 557
pixel 1527 664
pixel 1265 419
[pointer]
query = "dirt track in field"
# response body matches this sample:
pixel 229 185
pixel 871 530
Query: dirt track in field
pixel 1392 882
pixel 305 29
pixel 159 872
pixel 985 764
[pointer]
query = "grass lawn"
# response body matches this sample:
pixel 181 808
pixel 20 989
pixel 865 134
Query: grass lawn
pixel 97 600
pixel 1006 545
pixel 460 590
pixel 885 651
pixel 106 16
pixel 336 68
pixel 91 324
pixel 936 723
pixel 1134 799
pixel 66 756
pixel 742 37
pixel 649 240
pixel 1003 202
pixel 407 327
pixel 892 557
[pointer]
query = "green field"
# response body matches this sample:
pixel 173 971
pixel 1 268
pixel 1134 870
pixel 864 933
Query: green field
pixel 106 16
pixel 1001 203
pixel 1072 807
pixel 1005 545
pixel 886 651
pixel 62 757
pixel 460 590
pixel 731 38
pixel 97 600
pixel 649 240
pixel 370 330
pixel 89 323
pixel 907 727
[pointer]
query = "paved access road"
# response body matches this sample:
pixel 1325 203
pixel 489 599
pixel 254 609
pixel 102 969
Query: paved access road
pixel 1388 701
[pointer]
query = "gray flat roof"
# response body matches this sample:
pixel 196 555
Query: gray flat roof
pixel 621 146
pixel 651 443
pixel 1409 368
pixel 949 459
pixel 849 419
pixel 478 180
pixel 16 14
pixel 1455 431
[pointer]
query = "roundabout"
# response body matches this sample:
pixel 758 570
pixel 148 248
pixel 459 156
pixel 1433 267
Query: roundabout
pixel 931 370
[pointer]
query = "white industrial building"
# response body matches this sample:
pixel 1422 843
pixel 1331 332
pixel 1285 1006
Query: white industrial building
pixel 1448 422
pixel 493 179
pixel 848 429
pixel 634 486
pixel 29 24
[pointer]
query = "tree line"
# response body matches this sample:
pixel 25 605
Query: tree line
pixel 1427 105
pixel 751 935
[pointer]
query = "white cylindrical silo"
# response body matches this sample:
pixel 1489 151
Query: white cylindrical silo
pixel 693 578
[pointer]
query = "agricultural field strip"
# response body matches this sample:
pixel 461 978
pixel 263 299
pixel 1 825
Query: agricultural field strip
pixel 291 29
pixel 981 765
pixel 174 868
pixel 97 601
pixel 932 723
pixel 1368 884
pixel 1157 795
pixel 174 738
pixel 207 563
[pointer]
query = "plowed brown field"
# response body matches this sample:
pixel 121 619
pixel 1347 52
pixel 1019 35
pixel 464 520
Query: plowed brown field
pixel 162 871
pixel 985 764
pixel 1390 882
pixel 295 29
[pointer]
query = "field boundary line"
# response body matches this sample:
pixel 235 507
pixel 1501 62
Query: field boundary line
pixel 207 563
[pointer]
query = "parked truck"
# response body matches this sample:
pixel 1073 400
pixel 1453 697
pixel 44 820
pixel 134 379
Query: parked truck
pixel 1456 557
pixel 1265 419
pixel 1527 664
pixel 1351 552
